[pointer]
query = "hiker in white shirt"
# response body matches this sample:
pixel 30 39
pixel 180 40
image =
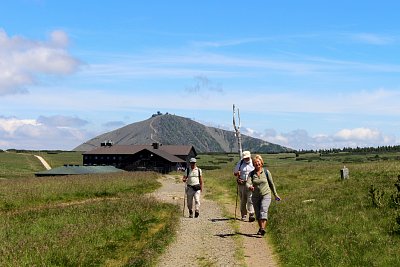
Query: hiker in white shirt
pixel 242 170
pixel 194 181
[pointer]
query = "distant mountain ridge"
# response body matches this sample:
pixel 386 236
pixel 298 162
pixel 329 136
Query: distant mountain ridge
pixel 175 130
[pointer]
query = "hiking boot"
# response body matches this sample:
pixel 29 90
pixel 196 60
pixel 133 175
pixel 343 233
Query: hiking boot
pixel 196 214
pixel 243 218
pixel 261 232
pixel 190 214
pixel 251 217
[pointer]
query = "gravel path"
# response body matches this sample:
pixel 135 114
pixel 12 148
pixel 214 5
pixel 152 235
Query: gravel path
pixel 210 239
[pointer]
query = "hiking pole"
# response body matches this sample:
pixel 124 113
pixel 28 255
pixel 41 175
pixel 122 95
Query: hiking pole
pixel 239 139
pixel 237 193
pixel 184 202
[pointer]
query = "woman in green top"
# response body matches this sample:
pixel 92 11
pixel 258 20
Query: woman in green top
pixel 261 184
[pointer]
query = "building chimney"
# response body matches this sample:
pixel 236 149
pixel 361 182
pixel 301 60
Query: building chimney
pixel 156 145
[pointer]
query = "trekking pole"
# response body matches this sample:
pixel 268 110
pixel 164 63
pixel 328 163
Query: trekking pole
pixel 239 139
pixel 237 193
pixel 184 202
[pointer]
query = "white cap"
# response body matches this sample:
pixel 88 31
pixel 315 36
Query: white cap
pixel 246 154
pixel 192 160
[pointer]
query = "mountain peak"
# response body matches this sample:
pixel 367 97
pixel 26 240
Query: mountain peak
pixel 171 129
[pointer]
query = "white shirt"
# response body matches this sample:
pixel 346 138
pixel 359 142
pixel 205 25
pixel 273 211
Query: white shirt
pixel 245 168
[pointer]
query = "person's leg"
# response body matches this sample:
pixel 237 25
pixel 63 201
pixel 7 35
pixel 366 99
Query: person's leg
pixel 265 202
pixel 257 205
pixel 243 200
pixel 249 206
pixel 190 194
pixel 197 203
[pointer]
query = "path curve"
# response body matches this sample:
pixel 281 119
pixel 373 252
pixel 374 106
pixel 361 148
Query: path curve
pixel 45 164
pixel 211 240
pixel 155 131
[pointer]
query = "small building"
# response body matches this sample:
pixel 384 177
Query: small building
pixel 154 157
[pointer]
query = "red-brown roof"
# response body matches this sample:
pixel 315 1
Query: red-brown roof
pixel 169 152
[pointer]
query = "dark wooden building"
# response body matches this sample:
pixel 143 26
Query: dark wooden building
pixel 154 157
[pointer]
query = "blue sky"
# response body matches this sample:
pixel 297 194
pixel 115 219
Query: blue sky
pixel 304 74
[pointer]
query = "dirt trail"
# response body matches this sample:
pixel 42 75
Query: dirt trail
pixel 154 130
pixel 210 239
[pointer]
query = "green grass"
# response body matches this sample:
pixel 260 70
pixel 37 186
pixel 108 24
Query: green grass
pixel 86 220
pixel 94 220
pixel 17 165
pixel 339 226
pixel 59 158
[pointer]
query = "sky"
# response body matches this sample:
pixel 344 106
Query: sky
pixel 309 74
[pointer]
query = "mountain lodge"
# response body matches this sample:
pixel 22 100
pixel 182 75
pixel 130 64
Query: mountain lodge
pixel 154 157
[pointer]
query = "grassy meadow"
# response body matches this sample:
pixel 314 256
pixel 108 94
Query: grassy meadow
pixel 107 220
pixel 83 220
pixel 323 220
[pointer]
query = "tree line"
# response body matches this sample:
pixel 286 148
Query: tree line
pixel 360 150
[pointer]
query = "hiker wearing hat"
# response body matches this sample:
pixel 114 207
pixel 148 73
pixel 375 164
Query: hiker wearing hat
pixel 194 181
pixel 242 170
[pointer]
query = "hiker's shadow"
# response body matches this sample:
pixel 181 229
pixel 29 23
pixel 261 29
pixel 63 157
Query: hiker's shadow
pixel 238 233
pixel 225 219
pixel 235 233
pixel 220 219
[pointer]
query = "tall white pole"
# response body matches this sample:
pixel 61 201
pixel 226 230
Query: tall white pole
pixel 237 131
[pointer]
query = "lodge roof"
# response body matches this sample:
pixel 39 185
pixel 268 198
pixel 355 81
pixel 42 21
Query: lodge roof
pixel 165 155
pixel 162 150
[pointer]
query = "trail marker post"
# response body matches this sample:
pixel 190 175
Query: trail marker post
pixel 344 173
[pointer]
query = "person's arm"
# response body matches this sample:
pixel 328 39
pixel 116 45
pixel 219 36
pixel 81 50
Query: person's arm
pixel 185 176
pixel 236 171
pixel 201 181
pixel 272 185
pixel 249 183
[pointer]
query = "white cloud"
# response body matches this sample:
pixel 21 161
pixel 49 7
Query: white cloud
pixel 10 125
pixel 23 60
pixel 361 134
pixel 36 135
pixel 59 38
pixel 61 121
pixel 300 139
